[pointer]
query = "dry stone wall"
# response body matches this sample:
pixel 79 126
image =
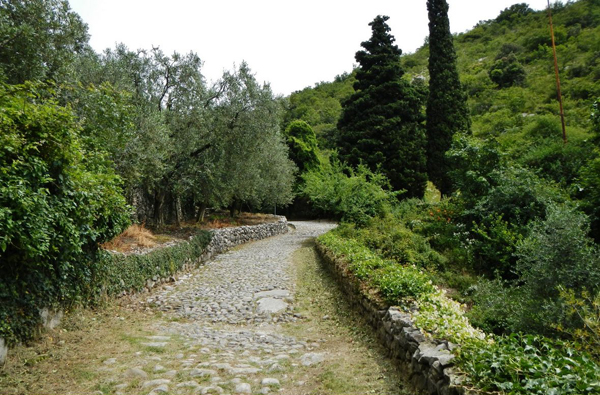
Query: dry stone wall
pixel 222 240
pixel 226 238
pixel 427 363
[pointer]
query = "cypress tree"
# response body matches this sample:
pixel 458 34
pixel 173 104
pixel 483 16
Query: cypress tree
pixel 447 111
pixel 381 123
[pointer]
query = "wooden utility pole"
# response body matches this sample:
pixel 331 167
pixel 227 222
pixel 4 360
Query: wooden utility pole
pixel 560 102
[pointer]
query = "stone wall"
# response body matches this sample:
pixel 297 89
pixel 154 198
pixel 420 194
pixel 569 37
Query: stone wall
pixel 222 240
pixel 426 363
pixel 226 238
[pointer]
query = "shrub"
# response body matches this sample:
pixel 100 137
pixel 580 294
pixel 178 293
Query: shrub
pixel 351 195
pixel 585 308
pixel 528 364
pixel 397 283
pixel 507 71
pixel 392 239
pixel 495 305
pixel 556 253
pixel 57 203
pixel 116 273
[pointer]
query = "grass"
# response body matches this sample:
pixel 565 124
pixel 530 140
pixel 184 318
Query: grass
pixel 135 236
pixel 355 362
pixel 75 358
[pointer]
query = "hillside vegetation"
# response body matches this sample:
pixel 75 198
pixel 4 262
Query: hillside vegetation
pixel 515 238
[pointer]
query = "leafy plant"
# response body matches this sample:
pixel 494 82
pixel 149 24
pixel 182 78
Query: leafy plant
pixel 352 196
pixel 57 203
pixel 528 364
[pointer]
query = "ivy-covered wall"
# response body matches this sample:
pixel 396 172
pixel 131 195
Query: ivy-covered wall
pixel 116 274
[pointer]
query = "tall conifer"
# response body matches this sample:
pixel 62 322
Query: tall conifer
pixel 447 111
pixel 381 124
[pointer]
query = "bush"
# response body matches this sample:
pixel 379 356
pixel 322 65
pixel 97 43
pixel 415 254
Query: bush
pixel 117 273
pixel 585 308
pixel 57 203
pixel 352 195
pixel 527 364
pixel 392 239
pixel 556 253
pixel 495 306
pixel 507 71
pixel 395 282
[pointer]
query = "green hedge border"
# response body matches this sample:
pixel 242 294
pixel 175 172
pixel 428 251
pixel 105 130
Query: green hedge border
pixel 119 273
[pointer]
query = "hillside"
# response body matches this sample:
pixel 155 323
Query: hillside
pixel 520 108
pixel 520 38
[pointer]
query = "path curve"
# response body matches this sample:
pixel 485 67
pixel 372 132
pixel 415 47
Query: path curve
pixel 230 313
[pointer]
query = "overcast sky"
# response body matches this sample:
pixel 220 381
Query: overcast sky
pixel 290 44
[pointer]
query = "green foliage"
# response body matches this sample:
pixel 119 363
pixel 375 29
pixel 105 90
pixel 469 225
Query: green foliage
pixel 39 40
pixel 302 141
pixel 395 282
pixel 507 71
pixel 589 181
pixel 381 123
pixel 514 13
pixel 390 238
pixel 500 217
pixel 57 203
pixel 590 193
pixel 495 305
pixel 320 107
pixel 528 364
pixel 350 195
pixel 118 273
pixel 447 111
pixel 473 164
pixel 556 253
pixel 583 307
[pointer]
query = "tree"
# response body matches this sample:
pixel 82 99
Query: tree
pixel 302 141
pixel 507 71
pixel 58 201
pixel 381 123
pixel 255 167
pixel 447 111
pixel 39 39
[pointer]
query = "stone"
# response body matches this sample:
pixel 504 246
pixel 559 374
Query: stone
pixel 155 344
pixel 51 318
pixel 202 372
pixel 158 338
pixel 243 388
pixel 110 361
pixel 156 382
pixel 243 370
pixel 161 389
pixel 134 373
pixel 188 384
pixel 270 305
pixel 312 358
pixel 275 293
pixel 212 390
pixel 269 382
pixel 3 351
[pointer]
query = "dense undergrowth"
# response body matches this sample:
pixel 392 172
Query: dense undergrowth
pixel 512 363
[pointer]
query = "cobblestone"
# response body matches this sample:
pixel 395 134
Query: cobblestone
pixel 227 314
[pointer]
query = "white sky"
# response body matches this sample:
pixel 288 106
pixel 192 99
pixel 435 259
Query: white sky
pixel 290 44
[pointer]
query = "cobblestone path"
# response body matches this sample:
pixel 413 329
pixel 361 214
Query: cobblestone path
pixel 263 318
pixel 230 314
